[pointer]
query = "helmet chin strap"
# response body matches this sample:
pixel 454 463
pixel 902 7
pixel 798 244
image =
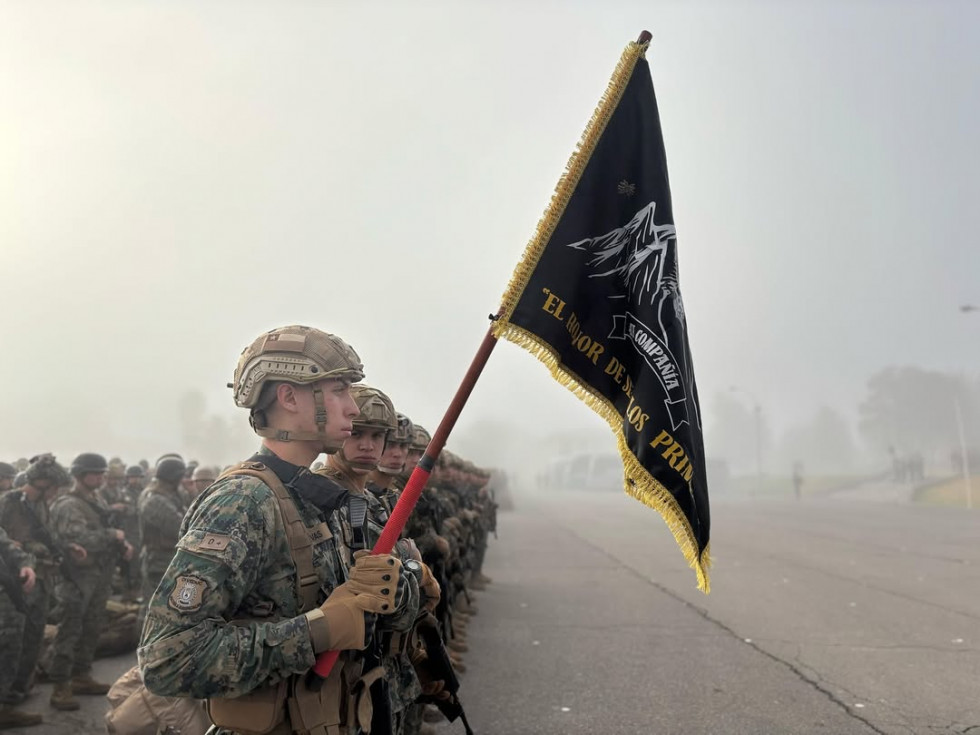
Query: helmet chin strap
pixel 347 465
pixel 259 424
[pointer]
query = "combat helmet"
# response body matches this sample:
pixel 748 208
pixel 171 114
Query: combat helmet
pixel 45 468
pixel 135 471
pixel 376 412
pixel 299 355
pixel 420 438
pixel 88 462
pixel 20 480
pixel 405 431
pixel 170 468
pixel 7 471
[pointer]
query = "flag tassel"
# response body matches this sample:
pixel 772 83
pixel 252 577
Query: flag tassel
pixel 637 482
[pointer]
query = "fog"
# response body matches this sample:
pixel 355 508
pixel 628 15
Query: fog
pixel 176 178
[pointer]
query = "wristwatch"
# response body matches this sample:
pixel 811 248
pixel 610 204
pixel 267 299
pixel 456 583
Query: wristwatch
pixel 415 568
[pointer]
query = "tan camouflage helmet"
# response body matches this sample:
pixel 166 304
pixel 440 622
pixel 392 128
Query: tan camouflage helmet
pixel 299 355
pixel 376 412
pixel 420 438
pixel 376 409
pixel 404 432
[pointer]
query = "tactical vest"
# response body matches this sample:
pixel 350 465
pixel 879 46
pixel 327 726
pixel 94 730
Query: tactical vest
pixel 263 711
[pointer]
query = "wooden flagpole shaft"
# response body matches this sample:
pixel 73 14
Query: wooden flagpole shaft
pixel 420 475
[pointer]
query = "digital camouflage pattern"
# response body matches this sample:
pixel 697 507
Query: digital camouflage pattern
pixel 11 619
pixel 232 562
pixel 404 687
pixel 81 518
pixel 161 512
pixel 29 524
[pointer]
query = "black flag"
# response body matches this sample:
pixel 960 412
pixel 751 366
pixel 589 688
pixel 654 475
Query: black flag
pixel 596 298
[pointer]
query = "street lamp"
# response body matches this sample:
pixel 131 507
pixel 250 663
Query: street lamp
pixel 757 410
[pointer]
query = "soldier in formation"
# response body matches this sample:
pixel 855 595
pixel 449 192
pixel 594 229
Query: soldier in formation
pixel 7 474
pixel 161 509
pixel 269 565
pixel 80 517
pixel 17 578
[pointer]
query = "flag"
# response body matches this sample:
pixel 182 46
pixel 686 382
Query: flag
pixel 596 298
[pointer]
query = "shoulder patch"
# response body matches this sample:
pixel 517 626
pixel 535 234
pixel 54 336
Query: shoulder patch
pixel 211 542
pixel 188 594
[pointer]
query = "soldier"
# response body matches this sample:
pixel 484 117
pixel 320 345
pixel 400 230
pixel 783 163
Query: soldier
pixel 129 495
pixel 135 479
pixel 203 477
pixel 255 589
pixel 7 474
pixel 16 579
pixel 24 515
pixel 351 467
pixel 80 517
pixel 161 509
pixel 383 481
pixel 115 478
pixel 187 487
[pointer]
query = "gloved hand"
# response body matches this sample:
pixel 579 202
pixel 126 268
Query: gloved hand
pixel 376 578
pixel 339 623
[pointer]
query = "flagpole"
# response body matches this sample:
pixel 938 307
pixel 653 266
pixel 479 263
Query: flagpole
pixel 420 475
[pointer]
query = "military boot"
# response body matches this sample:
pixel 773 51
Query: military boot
pixel 10 717
pixel 85 684
pixel 61 697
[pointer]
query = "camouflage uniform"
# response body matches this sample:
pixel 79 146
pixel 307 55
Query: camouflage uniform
pixel 28 523
pixel 161 511
pixel 232 561
pixel 395 631
pixel 82 518
pixel 12 560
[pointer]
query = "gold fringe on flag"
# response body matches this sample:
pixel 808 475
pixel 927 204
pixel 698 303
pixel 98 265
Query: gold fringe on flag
pixel 638 482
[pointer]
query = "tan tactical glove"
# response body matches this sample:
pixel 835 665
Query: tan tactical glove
pixel 339 623
pixel 375 577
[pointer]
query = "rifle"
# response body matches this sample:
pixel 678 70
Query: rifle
pixel 438 667
pixel 381 723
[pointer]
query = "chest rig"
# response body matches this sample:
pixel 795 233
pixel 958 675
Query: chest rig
pixel 289 706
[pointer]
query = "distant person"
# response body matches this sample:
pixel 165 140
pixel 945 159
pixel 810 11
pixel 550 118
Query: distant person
pixel 81 517
pixel 18 580
pixel 7 474
pixel 203 478
pixel 798 479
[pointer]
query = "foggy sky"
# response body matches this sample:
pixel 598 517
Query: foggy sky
pixel 176 178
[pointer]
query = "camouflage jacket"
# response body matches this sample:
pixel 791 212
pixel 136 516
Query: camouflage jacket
pixel 29 524
pixel 161 511
pixel 232 564
pixel 82 518
pixel 12 556
pixel 404 687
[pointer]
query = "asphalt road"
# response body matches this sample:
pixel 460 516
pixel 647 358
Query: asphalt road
pixel 834 617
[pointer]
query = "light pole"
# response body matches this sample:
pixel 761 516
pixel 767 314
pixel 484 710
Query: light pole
pixel 757 410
